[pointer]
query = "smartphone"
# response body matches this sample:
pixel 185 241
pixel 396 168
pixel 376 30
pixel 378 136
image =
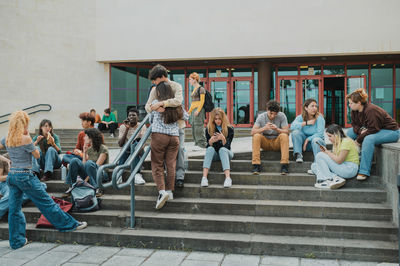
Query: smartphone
pixel 321 145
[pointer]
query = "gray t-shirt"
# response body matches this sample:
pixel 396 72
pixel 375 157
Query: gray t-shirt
pixel 20 156
pixel 280 121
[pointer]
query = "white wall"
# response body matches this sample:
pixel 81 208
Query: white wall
pixel 136 30
pixel 47 55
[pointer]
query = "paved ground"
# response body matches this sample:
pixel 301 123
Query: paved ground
pixel 43 254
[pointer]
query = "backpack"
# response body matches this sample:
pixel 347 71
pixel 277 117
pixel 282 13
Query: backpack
pixel 83 197
pixel 208 103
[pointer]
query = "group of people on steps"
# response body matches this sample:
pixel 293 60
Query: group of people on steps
pixel 19 175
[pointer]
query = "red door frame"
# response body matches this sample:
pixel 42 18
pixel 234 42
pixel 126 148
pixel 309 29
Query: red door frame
pixel 251 88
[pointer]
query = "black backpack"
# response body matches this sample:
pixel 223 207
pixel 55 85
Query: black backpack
pixel 208 103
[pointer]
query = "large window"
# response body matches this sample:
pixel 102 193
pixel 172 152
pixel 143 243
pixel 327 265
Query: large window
pixel 287 71
pixel 179 77
pixel 334 70
pixel 382 86
pixel 123 90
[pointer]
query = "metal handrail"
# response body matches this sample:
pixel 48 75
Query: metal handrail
pixel 29 113
pixel 118 170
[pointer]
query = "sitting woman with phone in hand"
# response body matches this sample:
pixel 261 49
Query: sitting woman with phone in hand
pixel 219 135
pixel 331 168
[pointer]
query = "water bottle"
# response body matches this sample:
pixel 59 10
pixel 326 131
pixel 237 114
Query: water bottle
pixel 63 172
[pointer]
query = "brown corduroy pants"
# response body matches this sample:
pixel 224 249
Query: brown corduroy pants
pixel 164 149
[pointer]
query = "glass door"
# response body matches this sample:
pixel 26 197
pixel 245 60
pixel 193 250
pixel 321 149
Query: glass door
pixel 287 97
pixel 310 89
pixel 242 101
pixel 353 83
pixel 220 94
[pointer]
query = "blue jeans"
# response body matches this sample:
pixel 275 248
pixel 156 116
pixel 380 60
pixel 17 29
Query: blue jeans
pixel 180 159
pixel 28 183
pixel 325 168
pixel 47 161
pixel 127 153
pixel 67 158
pixel 77 167
pixel 298 138
pixel 369 143
pixel 5 192
pixel 224 155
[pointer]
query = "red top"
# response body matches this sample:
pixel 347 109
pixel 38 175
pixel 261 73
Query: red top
pixel 79 144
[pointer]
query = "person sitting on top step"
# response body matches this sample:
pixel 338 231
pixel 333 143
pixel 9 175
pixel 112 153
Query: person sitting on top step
pixel 87 121
pixel 108 122
pixel 332 167
pixel 126 131
pixel 308 129
pixel 219 135
pixel 371 125
pixel 50 148
pixel 271 132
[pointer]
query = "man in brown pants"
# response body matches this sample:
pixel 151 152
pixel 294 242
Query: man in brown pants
pixel 271 132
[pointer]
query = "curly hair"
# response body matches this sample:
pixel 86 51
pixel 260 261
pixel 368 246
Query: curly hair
pixel 97 138
pixel 357 96
pixel 195 76
pixel 19 121
pixel 225 122
pixel 87 117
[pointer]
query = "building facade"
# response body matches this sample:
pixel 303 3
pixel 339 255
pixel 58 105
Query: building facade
pixel 78 55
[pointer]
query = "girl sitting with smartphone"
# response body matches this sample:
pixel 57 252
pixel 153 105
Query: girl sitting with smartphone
pixel 331 168
pixel 219 135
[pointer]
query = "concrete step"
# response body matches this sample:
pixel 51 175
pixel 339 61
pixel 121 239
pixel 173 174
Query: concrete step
pixel 332 248
pixel 251 207
pixel 290 226
pixel 256 192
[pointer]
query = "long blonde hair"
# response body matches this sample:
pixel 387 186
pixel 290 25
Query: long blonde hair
pixel 18 122
pixel 225 122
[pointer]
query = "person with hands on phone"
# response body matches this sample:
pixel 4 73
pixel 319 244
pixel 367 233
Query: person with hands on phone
pixel 95 153
pixel 219 135
pixel 307 129
pixel 332 167
pixel 371 126
pixel 50 148
pixel 271 132
pixel 126 131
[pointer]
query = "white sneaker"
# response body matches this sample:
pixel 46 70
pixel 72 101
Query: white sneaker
pixel 204 182
pixel 299 158
pixel 82 225
pixel 324 185
pixel 337 182
pixel 111 135
pixel 361 177
pixel 170 195
pixel 310 172
pixel 139 179
pixel 228 182
pixel 162 198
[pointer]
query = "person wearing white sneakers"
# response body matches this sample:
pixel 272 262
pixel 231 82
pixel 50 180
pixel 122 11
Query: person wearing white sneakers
pixel 219 135
pixel 331 168
pixel 164 142
pixel 126 131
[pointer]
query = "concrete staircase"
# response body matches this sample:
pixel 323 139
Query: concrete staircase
pixel 266 214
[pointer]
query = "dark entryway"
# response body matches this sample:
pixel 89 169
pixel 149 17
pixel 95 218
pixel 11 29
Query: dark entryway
pixel 334 100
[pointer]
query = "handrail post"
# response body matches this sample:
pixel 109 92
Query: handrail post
pixel 133 204
pixel 398 210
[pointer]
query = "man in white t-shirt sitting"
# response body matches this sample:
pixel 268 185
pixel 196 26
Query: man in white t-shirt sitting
pixel 126 131
pixel 271 132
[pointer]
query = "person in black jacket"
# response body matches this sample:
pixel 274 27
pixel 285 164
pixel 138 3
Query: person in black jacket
pixel 219 135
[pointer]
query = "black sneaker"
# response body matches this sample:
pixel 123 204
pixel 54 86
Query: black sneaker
pixel 179 183
pixel 256 169
pixel 284 169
